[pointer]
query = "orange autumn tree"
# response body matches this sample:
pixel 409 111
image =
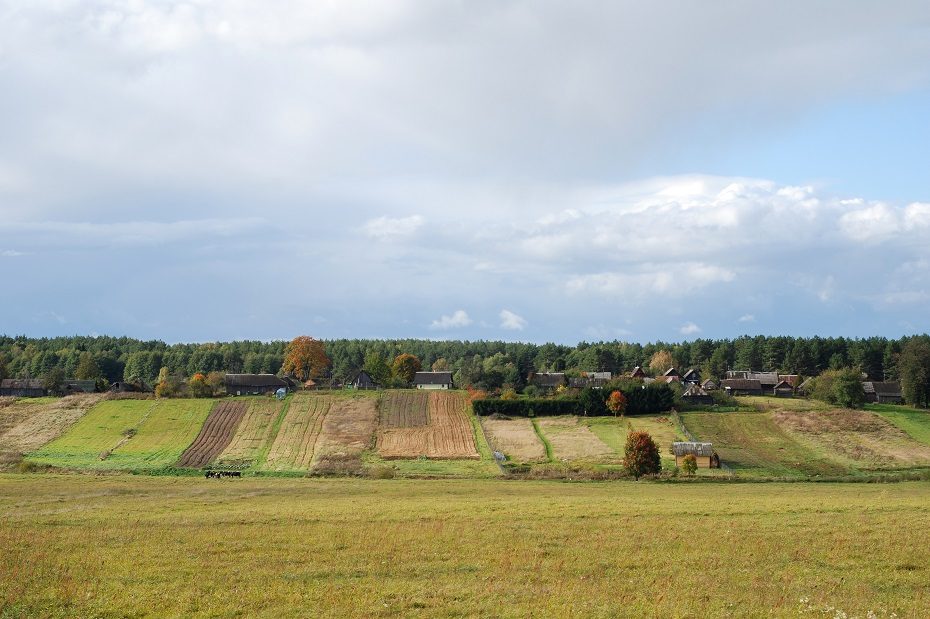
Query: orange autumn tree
pixel 305 358
pixel 617 403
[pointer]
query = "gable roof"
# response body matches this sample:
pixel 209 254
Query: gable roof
pixel 22 383
pixel 890 388
pixel 637 372
pixel 692 374
pixel 694 390
pixel 741 383
pixel 671 372
pixel 709 384
pixel 683 448
pixel 363 378
pixel 253 380
pixel 432 378
pixel 548 379
pixel 784 384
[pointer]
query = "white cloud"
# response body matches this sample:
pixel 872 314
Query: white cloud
pixel 457 320
pixel 512 321
pixel 387 227
pixel 747 318
pixel 11 253
pixel 689 328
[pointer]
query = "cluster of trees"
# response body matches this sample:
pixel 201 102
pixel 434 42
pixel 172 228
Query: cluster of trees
pixel 487 365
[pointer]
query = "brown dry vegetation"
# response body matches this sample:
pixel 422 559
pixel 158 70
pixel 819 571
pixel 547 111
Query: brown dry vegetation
pixel 300 429
pixel 404 409
pixel 515 438
pixel 253 434
pixel 449 434
pixel 26 425
pixel 215 434
pixel 349 427
pixel 862 437
pixel 571 440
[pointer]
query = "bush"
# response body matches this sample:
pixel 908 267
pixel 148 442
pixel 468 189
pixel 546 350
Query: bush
pixel 382 472
pixel 641 456
pixel 689 464
pixel 841 387
pixel 655 398
pixel 526 408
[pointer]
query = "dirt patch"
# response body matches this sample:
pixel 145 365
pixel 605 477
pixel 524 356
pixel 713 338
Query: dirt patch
pixel 571 440
pixel 294 445
pixel 25 425
pixel 252 435
pixel 348 429
pixel 515 438
pixel 404 409
pixel 215 434
pixel 449 434
pixel 861 436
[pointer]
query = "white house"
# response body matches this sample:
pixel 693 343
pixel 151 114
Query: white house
pixel 433 380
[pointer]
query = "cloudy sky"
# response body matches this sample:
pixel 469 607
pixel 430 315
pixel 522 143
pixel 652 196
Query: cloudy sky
pixel 539 171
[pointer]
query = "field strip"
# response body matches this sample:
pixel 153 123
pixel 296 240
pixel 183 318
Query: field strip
pixel 348 429
pixel 515 438
pixel 254 434
pixel 215 435
pixel 572 440
pixel 449 434
pixel 294 444
pixel 28 424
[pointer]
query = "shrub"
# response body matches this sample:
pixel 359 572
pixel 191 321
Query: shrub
pixel 382 472
pixel 689 464
pixel 641 456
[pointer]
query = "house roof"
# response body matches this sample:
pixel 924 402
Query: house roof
pixel 253 380
pixel 891 388
pixel 741 383
pixel 432 378
pixel 698 449
pixel 363 378
pixel 692 374
pixel 22 383
pixel 782 384
pixel 597 375
pixel 671 372
pixel 87 386
pixel 637 371
pixel 793 379
pixel 709 384
pixel 694 390
pixel 548 379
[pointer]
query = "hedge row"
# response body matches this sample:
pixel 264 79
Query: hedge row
pixel 652 399
pixel 527 408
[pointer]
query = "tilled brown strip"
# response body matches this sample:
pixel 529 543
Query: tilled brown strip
pixel 215 435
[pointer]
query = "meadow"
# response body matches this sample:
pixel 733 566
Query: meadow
pixel 179 546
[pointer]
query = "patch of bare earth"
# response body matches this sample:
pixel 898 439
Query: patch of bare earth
pixel 349 427
pixel 215 434
pixel 449 434
pixel 571 440
pixel 860 436
pixel 25 426
pixel 515 438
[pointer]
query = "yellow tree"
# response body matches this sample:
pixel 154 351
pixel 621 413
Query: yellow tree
pixel 405 366
pixel 661 362
pixel 305 358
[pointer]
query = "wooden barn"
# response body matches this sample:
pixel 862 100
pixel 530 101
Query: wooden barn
pixel 253 384
pixel 783 389
pixel 73 385
pixel 362 380
pixel 695 395
pixel 547 381
pixel 742 386
pixel 23 387
pixel 709 385
pixel 888 392
pixel 704 453
pixel 432 380
pixel 637 373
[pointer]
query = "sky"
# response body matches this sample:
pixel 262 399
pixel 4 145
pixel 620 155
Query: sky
pixel 502 170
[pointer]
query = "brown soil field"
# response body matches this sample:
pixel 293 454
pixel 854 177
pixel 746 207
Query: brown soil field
pixel 571 440
pixel 215 434
pixel 349 427
pixel 253 434
pixel 862 437
pixel 449 434
pixel 404 409
pixel 515 438
pixel 26 425
pixel 300 429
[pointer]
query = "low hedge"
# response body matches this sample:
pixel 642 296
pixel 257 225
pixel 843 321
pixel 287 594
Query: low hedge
pixel 527 408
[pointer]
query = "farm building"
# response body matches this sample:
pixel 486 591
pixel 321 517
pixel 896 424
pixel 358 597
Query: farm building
pixel 709 385
pixel 694 394
pixel 129 387
pixel 805 387
pixel 637 373
pixel 692 377
pixel 73 385
pixel 671 372
pixel 742 386
pixel 704 453
pixel 547 381
pixel 591 379
pixel 433 380
pixel 888 392
pixel 23 387
pixel 767 380
pixel 792 379
pixel 253 384
pixel 362 380
pixel 783 389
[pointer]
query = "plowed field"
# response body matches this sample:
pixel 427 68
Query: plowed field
pixel 515 438
pixel 448 435
pixel 300 429
pixel 349 427
pixel 404 409
pixel 215 434
pixel 27 424
pixel 253 435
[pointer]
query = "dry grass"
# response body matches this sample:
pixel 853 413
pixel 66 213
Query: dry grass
pixel 349 428
pixel 448 435
pixel 515 438
pixel 293 447
pixel 127 546
pixel 572 440
pixel 29 423
pixel 253 435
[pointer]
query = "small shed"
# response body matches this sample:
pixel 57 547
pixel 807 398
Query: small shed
pixel 704 453
pixel 253 384
pixel 888 392
pixel 783 389
pixel 363 380
pixel 432 380
pixel 694 394
pixel 709 385
pixel 23 387
pixel 742 386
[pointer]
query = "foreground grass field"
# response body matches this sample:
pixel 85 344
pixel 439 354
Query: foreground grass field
pixel 149 546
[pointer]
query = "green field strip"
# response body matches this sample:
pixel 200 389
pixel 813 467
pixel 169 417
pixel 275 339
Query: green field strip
pixel 912 421
pixel 545 441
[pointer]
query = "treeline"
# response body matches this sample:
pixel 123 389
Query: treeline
pixel 486 365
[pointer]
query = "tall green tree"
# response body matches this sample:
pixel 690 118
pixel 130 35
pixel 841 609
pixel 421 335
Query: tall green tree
pixel 914 370
pixel 87 368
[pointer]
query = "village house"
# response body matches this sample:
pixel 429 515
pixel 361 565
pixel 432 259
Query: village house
pixel 433 380
pixel 704 453
pixel 767 380
pixel 547 381
pixel 709 385
pixel 783 389
pixel 23 387
pixel 692 377
pixel 638 373
pixel 362 380
pixel 591 379
pixel 696 395
pixel 253 384
pixel 742 386
pixel 888 392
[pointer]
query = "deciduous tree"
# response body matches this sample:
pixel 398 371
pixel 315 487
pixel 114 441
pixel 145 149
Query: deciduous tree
pixel 305 357
pixel 661 361
pixel 914 371
pixel 641 456
pixel 616 402
pixel 87 368
pixel 689 464
pixel 405 366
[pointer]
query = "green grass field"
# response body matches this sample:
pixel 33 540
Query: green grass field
pixel 914 422
pixel 613 433
pixel 108 546
pixel 127 435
